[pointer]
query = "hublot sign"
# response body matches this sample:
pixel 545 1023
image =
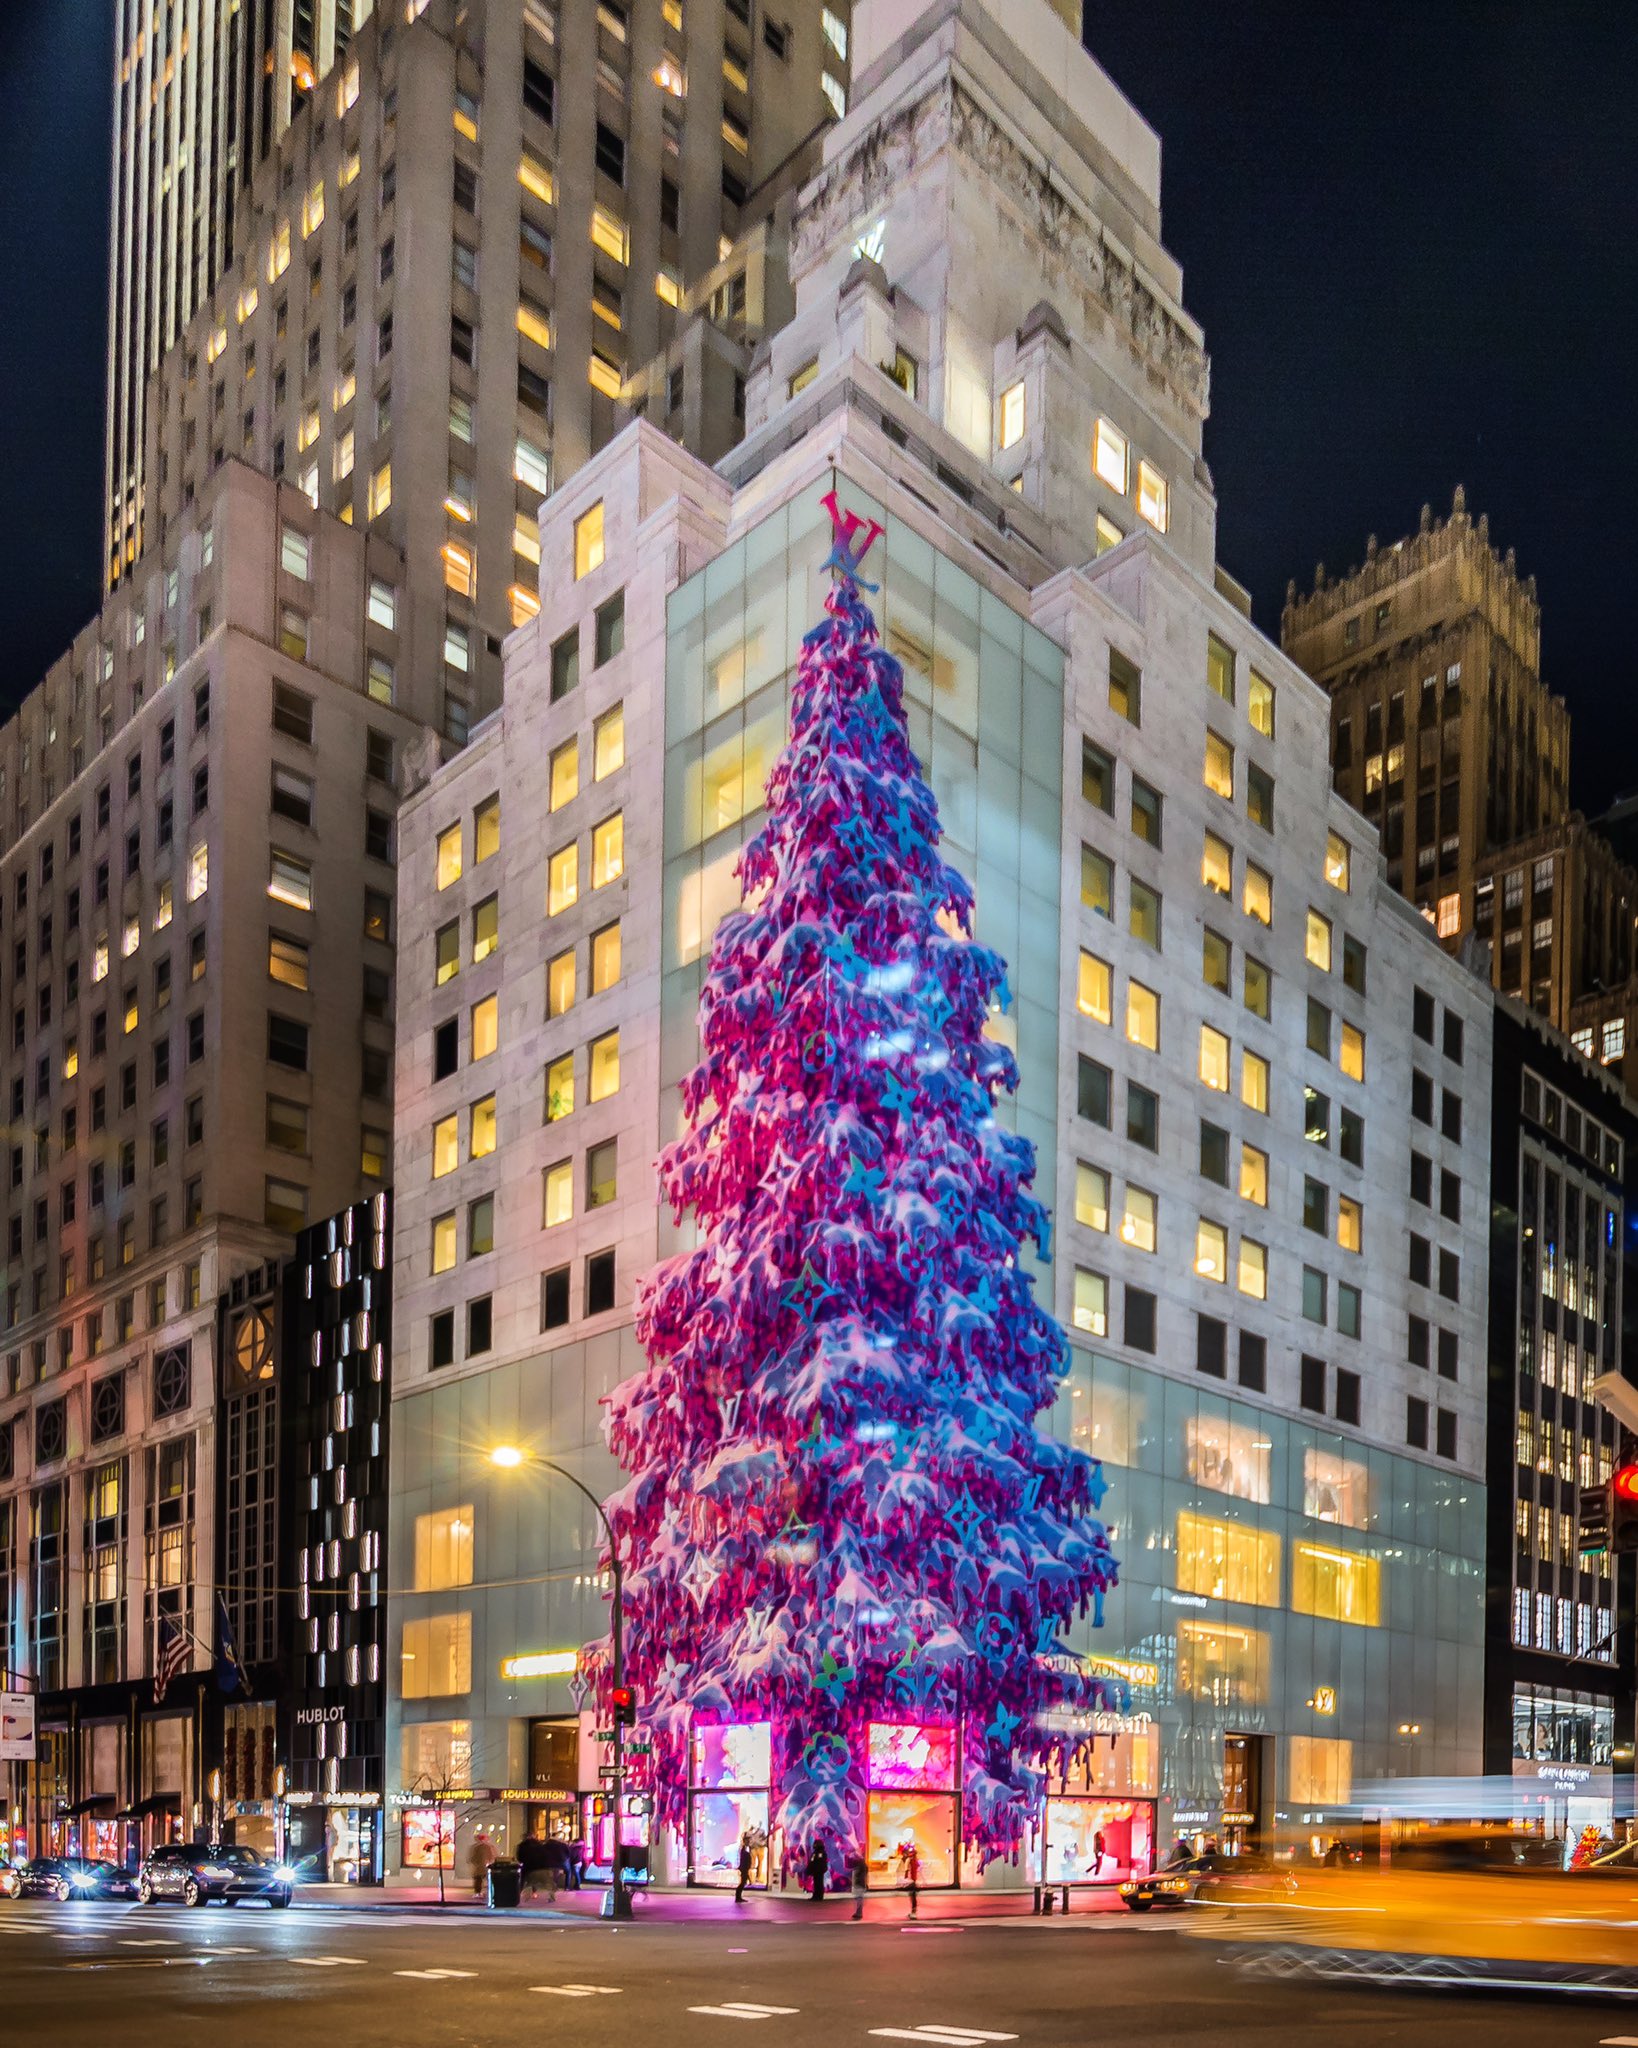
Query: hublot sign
pixel 310 1717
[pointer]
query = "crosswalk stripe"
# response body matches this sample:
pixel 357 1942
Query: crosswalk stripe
pixel 325 1962
pixel 739 2010
pixel 578 1990
pixel 947 2037
pixel 435 1973
pixel 129 1941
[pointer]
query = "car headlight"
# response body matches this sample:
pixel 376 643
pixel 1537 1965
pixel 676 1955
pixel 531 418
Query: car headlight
pixel 1175 1884
pixel 284 1873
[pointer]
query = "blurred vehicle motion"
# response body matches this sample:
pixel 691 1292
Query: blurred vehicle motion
pixel 1214 1876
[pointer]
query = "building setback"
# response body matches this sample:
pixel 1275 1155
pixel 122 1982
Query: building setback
pixel 1219 1016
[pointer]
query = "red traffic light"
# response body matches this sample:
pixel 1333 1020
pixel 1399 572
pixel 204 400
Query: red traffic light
pixel 1624 1482
pixel 624 1702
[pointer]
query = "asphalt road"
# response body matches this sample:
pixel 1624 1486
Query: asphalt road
pixel 129 1977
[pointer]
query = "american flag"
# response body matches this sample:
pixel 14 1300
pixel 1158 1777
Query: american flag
pixel 173 1655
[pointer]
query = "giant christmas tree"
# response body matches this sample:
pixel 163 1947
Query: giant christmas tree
pixel 842 1509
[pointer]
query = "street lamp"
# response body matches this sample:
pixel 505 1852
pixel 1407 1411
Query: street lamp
pixel 509 1457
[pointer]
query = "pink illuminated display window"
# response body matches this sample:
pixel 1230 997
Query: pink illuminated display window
pixel 422 1848
pixel 908 1756
pixel 732 1754
pixel 1098 1841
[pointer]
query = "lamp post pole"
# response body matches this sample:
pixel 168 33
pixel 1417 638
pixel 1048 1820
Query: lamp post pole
pixel 620 1895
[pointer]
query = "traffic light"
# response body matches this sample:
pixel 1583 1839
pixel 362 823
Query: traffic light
pixel 624 1701
pixel 1624 1508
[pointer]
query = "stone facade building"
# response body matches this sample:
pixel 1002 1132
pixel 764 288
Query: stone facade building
pixel 1258 1090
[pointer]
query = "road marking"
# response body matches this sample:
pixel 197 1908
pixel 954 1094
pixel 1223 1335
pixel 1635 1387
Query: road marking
pixel 215 1951
pixel 578 1990
pixel 435 1973
pixel 1619 2041
pixel 325 1962
pixel 740 2010
pixel 154 1942
pixel 947 2037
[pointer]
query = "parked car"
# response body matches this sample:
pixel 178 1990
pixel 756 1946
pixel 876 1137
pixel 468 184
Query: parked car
pixel 11 1881
pixel 73 1877
pixel 196 1872
pixel 1213 1876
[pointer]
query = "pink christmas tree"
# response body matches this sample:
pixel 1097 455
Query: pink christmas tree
pixel 842 1507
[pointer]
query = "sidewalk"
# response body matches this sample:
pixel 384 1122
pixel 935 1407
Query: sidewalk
pixel 714 1908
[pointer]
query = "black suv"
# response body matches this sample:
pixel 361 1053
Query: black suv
pixel 74 1877
pixel 196 1872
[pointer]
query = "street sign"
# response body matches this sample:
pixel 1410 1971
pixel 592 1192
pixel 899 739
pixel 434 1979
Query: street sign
pixel 16 1728
pixel 610 1771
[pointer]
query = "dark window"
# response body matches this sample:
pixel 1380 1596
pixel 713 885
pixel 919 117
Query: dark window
pixel 733 187
pixel 1416 1344
pixel 1422 1015
pixel 1353 965
pixel 480 1325
pixel 1092 1091
pixel 611 628
pixel 1421 1098
pixel 1214 1153
pixel 378 836
pixel 599 1283
pixel 1145 813
pixel 446 1048
pixel 534 391
pixel 1253 1362
pixel 1450 1195
pixel 1319 1028
pixel 1098 777
pixel 539 90
pixel 292 713
pixel 1140 1319
pixel 1450 1275
pixel 1314 1294
pixel 1316 1207
pixel 611 153
pixel 465 188
pixel 1453 1040
pixel 1348 1309
pixel 1421 1260
pixel 554 1298
pixel 1142 1116
pixel 196 1039
pixel 776 36
pixel 462 340
pixel 1447 1354
pixel 1125 687
pixel 1312 1393
pixel 565 664
pixel 1348 1397
pixel 670 204
pixel 287 1042
pixel 1421 1180
pixel 376 1072
pixel 1211 1347
pixel 442 1338
pixel 1450 1116
pixel 1445 1444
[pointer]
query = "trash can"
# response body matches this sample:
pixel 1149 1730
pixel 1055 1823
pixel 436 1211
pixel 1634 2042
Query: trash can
pixel 505 1883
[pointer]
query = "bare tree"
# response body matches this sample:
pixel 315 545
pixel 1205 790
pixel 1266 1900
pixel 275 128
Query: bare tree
pixel 435 1788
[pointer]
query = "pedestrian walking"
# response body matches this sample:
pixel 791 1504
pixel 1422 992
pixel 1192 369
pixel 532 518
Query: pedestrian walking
pixel 818 1865
pixel 858 1872
pixel 746 1861
pixel 479 1857
pixel 910 1872
pixel 532 1861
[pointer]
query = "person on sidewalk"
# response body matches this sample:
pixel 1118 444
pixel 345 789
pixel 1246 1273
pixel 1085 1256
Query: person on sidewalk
pixel 533 1861
pixel 910 1871
pixel 818 1865
pixel 479 1857
pixel 858 1871
pixel 747 1858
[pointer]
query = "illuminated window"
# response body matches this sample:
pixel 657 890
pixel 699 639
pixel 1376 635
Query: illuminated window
pixel 603 1076
pixel 1338 861
pixel 535 178
pixel 534 324
pixel 604 374
pixel 608 851
pixel 1252 1277
pixel 1257 897
pixel 1143 913
pixel 560 1089
pixel 449 856
pixel 563 774
pixel 1217 865
pixel 1352 1056
pixel 608 742
pixel 1097 883
pixel 446 1146
pixel 802 378
pixel 437 1657
pixel 290 881
pixel 588 541
pixel 1214 1058
pixel 1153 497
pixel 460 568
pixel 483 1127
pixel 667 286
pixel 1253 1175
pixel 1448 916
pixel 485 1027
pixel 1219 768
pixel 380 490
pixel 1220 668
pixel 1260 705
pixel 531 465
pixel 164 907
pixel 560 984
pixel 1093 993
pixel 1142 1016
pixel 1317 943
pixel 1091 1307
pixel 1229 1457
pixel 448 952
pixel 1109 455
pixel 443 1241
pixel 610 234
pixel 1336 1585
pixel 1211 1251
pixel 1337 1489
pixel 443 1550
pixel 1350 1223
pixel 1011 428
pixel 312 209
pixel 1137 1222
pixel 1254 1081
pixel 1322 1770
pixel 1222 1664
pixel 1228 1561
pixel 287 961
pixel 1216 961
pixel 1091 1196
pixel 278 252
pixel 562 880
pixel 605 958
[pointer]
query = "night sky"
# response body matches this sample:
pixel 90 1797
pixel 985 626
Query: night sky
pixel 1409 231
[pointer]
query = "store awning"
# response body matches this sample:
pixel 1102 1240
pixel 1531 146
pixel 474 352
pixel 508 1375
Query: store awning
pixel 160 1802
pixel 89 1805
